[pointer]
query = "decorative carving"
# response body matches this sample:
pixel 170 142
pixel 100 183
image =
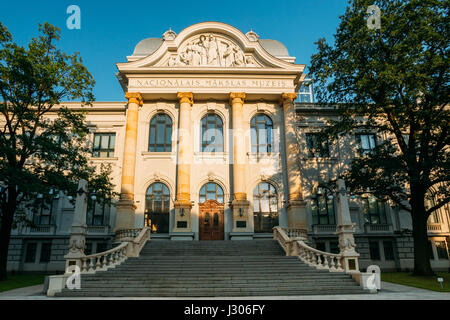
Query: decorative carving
pixel 237 97
pixel 347 244
pixel 252 35
pixel 186 97
pixel 169 35
pixel 77 245
pixel 288 97
pixel 211 50
pixel 134 97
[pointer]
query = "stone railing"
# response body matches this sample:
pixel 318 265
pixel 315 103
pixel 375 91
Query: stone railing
pixel 126 234
pixel 324 228
pixel 104 260
pixel 309 255
pixel 129 247
pixel 318 259
pixel 296 233
pixel 378 227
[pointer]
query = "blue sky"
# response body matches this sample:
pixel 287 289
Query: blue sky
pixel 111 29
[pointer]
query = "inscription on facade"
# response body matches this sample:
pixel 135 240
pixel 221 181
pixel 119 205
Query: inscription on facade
pixel 210 83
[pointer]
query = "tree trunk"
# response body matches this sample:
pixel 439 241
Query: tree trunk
pixel 422 265
pixel 5 235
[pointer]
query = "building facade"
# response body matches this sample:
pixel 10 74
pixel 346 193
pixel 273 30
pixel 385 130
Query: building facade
pixel 217 141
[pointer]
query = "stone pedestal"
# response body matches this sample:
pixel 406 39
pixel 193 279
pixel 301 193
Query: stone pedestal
pixel 125 213
pixel 182 221
pixel 241 225
pixel 78 232
pixel 296 212
pixel 345 230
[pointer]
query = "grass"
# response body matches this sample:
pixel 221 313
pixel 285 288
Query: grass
pixel 408 279
pixel 21 281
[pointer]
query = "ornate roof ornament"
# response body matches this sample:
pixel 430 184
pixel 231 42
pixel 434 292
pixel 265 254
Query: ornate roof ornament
pixel 252 36
pixel 169 35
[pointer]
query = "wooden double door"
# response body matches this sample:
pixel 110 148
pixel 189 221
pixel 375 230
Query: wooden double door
pixel 211 225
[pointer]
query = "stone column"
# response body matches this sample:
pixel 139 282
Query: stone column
pixel 125 208
pixel 345 230
pixel 240 203
pixel 183 203
pixel 78 232
pixel 296 208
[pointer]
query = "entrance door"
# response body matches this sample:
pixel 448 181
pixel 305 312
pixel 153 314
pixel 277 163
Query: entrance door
pixel 211 220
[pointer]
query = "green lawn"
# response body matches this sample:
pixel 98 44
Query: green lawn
pixel 20 281
pixel 407 279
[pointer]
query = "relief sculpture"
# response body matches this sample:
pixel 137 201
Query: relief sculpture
pixel 209 50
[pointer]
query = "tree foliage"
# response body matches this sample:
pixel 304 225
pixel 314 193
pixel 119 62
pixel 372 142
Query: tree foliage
pixel 43 144
pixel 393 82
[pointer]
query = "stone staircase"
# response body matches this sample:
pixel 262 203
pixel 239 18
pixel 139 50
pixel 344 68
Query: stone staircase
pixel 212 269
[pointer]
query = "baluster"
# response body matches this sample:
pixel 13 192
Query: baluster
pixel 325 262
pixel 91 264
pixel 105 262
pixel 319 261
pixel 98 264
pixel 84 265
pixel 332 265
pixel 339 265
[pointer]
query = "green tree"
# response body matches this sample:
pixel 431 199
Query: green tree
pixel 394 82
pixel 43 145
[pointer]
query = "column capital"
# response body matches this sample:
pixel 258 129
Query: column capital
pixel 134 97
pixel 237 97
pixel 186 97
pixel 287 98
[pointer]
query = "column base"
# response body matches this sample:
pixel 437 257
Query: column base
pixel 182 236
pixel 296 211
pixel 240 216
pixel 182 221
pixel 125 214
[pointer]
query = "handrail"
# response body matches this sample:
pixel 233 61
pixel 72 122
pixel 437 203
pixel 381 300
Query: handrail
pixel 311 256
pixel 104 260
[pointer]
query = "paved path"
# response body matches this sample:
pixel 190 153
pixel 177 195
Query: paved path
pixel 390 291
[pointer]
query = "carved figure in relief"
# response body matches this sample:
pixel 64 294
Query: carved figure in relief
pixel 208 50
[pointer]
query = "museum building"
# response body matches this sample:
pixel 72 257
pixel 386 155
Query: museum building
pixel 217 140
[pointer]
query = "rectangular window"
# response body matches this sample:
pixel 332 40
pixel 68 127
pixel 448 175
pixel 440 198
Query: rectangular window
pixel 46 251
pixel 334 247
pixel 320 246
pixel 104 144
pixel 30 254
pixel 441 250
pixel 316 150
pixel 98 213
pixel 366 142
pixel 88 248
pixel 388 250
pixel 374 211
pixel 374 248
pixel 44 215
pixel 101 247
pixel 322 209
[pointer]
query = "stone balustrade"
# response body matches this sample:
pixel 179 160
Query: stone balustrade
pixel 104 260
pixel 286 237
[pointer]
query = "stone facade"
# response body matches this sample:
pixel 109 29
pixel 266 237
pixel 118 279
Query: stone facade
pixel 211 76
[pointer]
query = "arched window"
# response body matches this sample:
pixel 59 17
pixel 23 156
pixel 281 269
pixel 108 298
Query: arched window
pixel 212 133
pixel 157 206
pixel 160 139
pixel 211 191
pixel 261 127
pixel 265 207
